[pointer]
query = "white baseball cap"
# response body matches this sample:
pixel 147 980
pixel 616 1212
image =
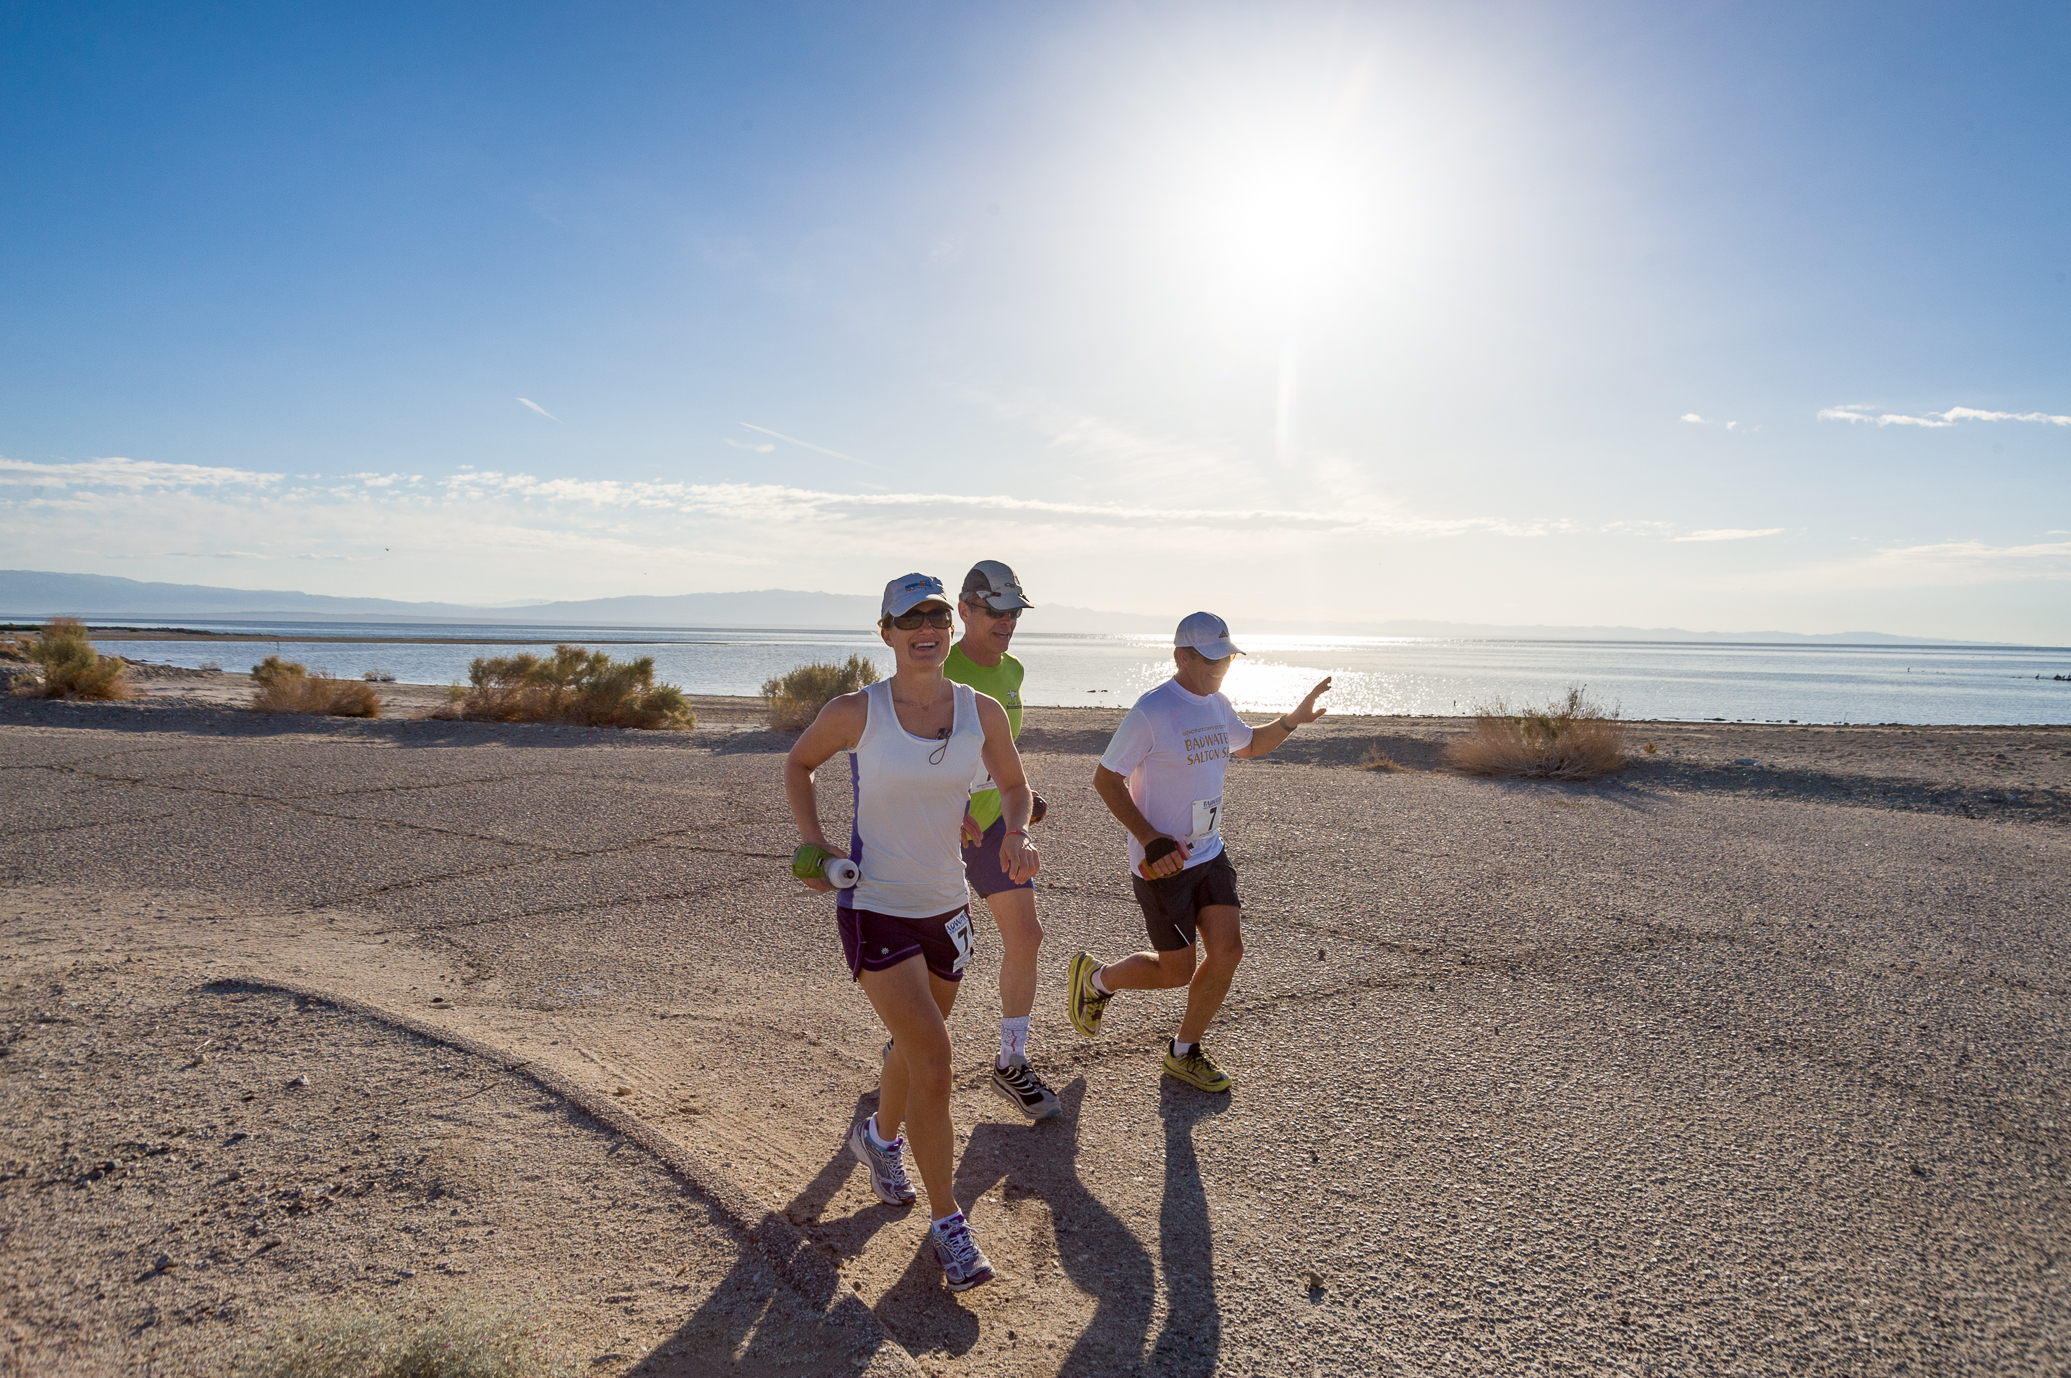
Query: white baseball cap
pixel 909 591
pixel 1208 634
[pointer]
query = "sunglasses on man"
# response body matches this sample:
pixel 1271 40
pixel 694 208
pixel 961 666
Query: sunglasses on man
pixel 997 614
pixel 914 621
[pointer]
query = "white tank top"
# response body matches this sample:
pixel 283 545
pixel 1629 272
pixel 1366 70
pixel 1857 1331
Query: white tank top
pixel 911 793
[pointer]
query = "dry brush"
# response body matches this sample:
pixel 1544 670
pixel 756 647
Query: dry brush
pixel 286 687
pixel 69 666
pixel 353 1340
pixel 796 698
pixel 1570 739
pixel 573 686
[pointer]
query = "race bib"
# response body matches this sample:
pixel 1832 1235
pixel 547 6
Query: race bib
pixel 959 930
pixel 1207 817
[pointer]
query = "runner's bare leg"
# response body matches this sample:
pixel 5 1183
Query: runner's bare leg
pixel 1021 937
pixel 1150 970
pixel 914 1085
pixel 1222 944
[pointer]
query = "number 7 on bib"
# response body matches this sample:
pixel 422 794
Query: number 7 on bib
pixel 1207 818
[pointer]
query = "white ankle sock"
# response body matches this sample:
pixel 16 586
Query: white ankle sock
pixel 870 1128
pixel 1180 1049
pixel 1013 1039
pixel 1097 984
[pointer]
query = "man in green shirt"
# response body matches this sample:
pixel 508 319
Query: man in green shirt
pixel 991 606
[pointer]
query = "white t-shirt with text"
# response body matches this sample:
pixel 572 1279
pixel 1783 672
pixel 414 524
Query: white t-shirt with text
pixel 1175 747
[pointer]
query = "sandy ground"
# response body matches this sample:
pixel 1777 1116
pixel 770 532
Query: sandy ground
pixel 188 1156
pixel 1752 1060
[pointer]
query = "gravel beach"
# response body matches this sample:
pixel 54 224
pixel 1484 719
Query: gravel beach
pixel 1750 1059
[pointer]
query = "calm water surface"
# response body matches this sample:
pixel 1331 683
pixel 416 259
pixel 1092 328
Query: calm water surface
pixel 1379 675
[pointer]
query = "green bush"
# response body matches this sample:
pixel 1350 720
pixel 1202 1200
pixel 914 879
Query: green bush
pixel 72 669
pixel 585 688
pixel 795 699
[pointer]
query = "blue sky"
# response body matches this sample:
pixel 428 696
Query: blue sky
pixel 1718 316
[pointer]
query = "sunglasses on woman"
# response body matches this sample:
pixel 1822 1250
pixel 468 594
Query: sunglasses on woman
pixel 913 621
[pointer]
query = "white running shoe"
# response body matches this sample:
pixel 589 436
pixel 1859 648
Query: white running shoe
pixel 887 1172
pixel 964 1264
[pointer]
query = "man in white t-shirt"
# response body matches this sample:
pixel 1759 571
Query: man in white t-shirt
pixel 1162 778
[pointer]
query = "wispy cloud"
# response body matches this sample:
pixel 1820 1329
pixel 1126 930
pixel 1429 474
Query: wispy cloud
pixel 1693 418
pixel 819 449
pixel 1674 531
pixel 538 408
pixel 1346 511
pixel 1938 420
pixel 786 504
pixel 1730 533
pixel 760 448
pixel 127 473
pixel 1942 564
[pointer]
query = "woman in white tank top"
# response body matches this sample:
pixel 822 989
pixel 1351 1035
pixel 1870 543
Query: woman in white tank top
pixel 918 741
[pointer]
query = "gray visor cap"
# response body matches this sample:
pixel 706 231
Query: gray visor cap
pixel 994 585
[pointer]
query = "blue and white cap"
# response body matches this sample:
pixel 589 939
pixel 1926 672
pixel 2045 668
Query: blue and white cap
pixel 909 591
pixel 1207 634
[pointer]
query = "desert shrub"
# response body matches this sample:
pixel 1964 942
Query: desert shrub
pixel 796 698
pixel 273 670
pixel 71 668
pixel 286 687
pixel 584 688
pixel 1379 760
pixel 1570 739
pixel 350 1341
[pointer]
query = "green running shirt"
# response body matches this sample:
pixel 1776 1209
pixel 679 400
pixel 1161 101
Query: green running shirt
pixel 1002 682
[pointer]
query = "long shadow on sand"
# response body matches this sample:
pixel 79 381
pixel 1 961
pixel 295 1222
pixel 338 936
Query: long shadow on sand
pixel 1191 1340
pixel 1099 1253
pixel 732 1331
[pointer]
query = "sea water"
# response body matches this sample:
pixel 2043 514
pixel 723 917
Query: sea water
pixel 1663 680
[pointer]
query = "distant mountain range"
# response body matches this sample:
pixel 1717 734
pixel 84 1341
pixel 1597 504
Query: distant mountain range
pixel 32 595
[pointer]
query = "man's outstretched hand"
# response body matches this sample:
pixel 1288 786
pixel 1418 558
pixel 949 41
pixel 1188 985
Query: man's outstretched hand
pixel 1309 712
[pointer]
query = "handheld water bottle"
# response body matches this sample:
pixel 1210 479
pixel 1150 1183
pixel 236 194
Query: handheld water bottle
pixel 810 862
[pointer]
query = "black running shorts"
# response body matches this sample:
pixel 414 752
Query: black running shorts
pixel 1173 904
pixel 877 942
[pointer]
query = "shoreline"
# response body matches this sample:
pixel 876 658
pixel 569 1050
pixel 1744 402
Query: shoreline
pixel 229 687
pixel 2014 771
pixel 194 634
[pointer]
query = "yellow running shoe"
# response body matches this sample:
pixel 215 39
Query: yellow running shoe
pixel 1195 1069
pixel 1084 1004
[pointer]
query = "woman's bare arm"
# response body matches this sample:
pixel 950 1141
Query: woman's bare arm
pixel 1003 761
pixel 838 728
